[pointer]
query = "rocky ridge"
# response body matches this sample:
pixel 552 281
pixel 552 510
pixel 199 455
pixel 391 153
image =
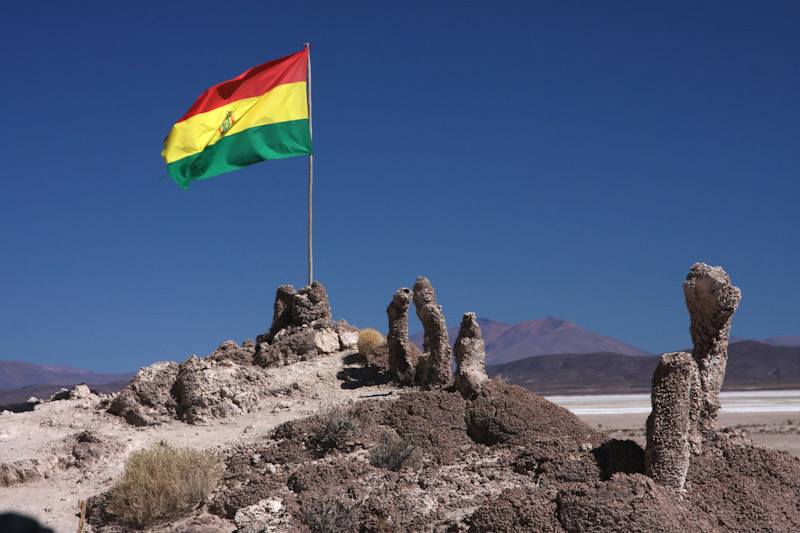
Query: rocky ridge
pixel 476 454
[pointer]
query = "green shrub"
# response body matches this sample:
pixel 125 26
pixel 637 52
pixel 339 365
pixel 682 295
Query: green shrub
pixel 335 428
pixel 368 340
pixel 392 452
pixel 162 482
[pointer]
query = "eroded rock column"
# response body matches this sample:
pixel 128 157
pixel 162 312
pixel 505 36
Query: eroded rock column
pixel 470 354
pixel 310 304
pixel 282 317
pixel 402 356
pixel 672 433
pixel 711 300
pixel 436 343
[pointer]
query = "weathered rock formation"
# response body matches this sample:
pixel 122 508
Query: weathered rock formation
pixel 711 300
pixel 403 355
pixel 21 471
pixel 296 308
pixel 302 328
pixel 77 392
pixel 470 354
pixel 672 433
pixel 205 389
pixel 301 343
pixel 230 351
pixel 229 381
pixel 282 317
pixel 436 344
pixel 147 400
pixel 310 304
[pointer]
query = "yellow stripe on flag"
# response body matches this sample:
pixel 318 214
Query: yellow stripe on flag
pixel 282 104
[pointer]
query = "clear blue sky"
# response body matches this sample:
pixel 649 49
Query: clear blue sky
pixel 568 159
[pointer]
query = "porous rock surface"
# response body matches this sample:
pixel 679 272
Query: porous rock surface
pixel 147 400
pixel 403 355
pixel 470 354
pixel 302 328
pixel 711 300
pixel 672 431
pixel 436 343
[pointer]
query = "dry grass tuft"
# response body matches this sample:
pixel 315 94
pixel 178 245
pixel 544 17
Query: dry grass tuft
pixel 368 340
pixel 162 482
pixel 391 453
pixel 334 429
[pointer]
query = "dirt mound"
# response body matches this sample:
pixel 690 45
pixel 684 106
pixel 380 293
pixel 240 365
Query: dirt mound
pixel 467 455
pixel 506 461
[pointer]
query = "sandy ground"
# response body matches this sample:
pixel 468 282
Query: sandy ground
pixel 44 439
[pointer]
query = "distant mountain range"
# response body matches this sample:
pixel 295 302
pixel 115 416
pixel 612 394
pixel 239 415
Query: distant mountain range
pixel 548 356
pixel 19 380
pixel 546 336
pixel 773 341
pixel 752 365
pixel 15 374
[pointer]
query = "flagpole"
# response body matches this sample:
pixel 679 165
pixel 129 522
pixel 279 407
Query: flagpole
pixel 310 175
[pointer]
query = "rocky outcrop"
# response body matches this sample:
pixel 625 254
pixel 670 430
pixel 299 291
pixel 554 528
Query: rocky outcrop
pixel 302 328
pixel 711 300
pixel 230 351
pixel 297 308
pixel 23 471
pixel 685 388
pixel 403 356
pixel 205 389
pixel 470 354
pixel 282 317
pixel 436 344
pixel 310 304
pixel 264 516
pixel 229 381
pixel 78 392
pixel 672 431
pixel 147 400
pixel 301 343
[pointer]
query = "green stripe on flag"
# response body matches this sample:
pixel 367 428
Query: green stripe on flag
pixel 273 141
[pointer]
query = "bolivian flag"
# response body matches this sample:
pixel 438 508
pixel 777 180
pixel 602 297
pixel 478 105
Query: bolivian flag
pixel 261 114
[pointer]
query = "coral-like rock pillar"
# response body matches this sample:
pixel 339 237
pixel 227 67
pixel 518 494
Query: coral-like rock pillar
pixel 401 363
pixel 470 353
pixel 436 343
pixel 310 304
pixel 711 300
pixel 672 434
pixel 282 317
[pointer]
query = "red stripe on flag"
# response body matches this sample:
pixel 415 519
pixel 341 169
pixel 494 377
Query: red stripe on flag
pixel 252 83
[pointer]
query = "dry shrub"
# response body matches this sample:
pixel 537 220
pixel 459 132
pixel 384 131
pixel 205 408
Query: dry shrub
pixel 335 428
pixel 392 452
pixel 368 340
pixel 330 514
pixel 162 482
